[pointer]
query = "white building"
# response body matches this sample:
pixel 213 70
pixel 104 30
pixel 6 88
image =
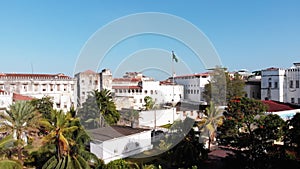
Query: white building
pixel 193 86
pixel 61 88
pixel 6 99
pixel 273 84
pixel 136 87
pixel 117 142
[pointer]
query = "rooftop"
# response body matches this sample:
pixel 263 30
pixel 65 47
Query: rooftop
pixel 33 76
pixel 111 132
pixel 19 97
pixel 274 106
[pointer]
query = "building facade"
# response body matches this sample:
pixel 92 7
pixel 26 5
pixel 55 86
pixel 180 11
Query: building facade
pixel 281 85
pixel 135 87
pixel 193 86
pixel 61 88
pixel 89 81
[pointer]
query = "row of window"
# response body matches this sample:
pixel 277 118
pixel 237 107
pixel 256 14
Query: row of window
pixel 135 91
pixel 191 85
pixel 91 82
pixel 38 87
pixel 188 91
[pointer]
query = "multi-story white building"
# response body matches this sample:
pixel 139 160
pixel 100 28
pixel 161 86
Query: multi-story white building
pixel 135 87
pixel 61 88
pixel 281 84
pixel 193 86
pixel 89 80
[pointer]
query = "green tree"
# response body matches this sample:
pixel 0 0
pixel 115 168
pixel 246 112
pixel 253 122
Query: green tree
pixel 44 106
pixel 99 110
pixel 149 103
pixel 247 127
pixel 235 87
pixel 132 116
pixel 209 123
pixel 222 88
pixel 6 144
pixel 293 132
pixel 21 119
pixel 69 138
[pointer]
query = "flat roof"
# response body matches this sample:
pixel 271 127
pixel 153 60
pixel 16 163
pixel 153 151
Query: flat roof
pixel 111 132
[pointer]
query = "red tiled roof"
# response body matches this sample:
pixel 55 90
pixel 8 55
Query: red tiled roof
pixel 276 106
pixel 126 87
pixel 19 97
pixel 89 72
pixel 27 75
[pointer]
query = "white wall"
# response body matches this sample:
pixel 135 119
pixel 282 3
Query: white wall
pixel 122 147
pixel 165 116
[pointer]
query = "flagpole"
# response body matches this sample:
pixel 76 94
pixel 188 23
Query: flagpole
pixel 173 101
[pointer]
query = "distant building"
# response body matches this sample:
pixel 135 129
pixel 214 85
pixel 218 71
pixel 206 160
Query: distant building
pixel 193 86
pixel 253 87
pixel 61 88
pixel 135 87
pixel 89 81
pixel 273 84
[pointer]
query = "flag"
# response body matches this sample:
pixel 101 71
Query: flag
pixel 174 57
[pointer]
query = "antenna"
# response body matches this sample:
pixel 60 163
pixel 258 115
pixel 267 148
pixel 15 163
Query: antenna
pixel 31 68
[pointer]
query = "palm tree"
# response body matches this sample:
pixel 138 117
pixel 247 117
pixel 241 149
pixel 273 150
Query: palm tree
pixel 107 107
pixel 66 132
pixel 19 120
pixel 149 103
pixel 5 144
pixel 210 122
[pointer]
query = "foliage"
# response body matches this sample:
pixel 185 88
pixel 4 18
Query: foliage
pixel 185 153
pixel 132 116
pixel 149 103
pixel 6 144
pixel 293 132
pixel 247 128
pixel 118 164
pixel 21 119
pixel 222 88
pixel 98 110
pixel 44 106
pixel 215 90
pixel 210 122
pixel 69 138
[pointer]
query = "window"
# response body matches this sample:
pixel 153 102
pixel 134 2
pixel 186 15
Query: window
pixel 65 87
pixel 82 81
pixel 270 84
pixel 291 84
pixel 297 83
pixel 36 87
pixel 44 87
pixel 298 100
pixel 292 100
pixel 51 87
pixel 58 87
pixel 145 91
pixel 141 100
pixel 275 85
pixel 151 91
pixel 96 82
pixel 58 105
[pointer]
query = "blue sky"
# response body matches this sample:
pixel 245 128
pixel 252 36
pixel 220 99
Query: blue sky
pixel 47 36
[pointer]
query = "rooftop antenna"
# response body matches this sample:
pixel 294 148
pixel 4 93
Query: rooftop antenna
pixel 31 67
